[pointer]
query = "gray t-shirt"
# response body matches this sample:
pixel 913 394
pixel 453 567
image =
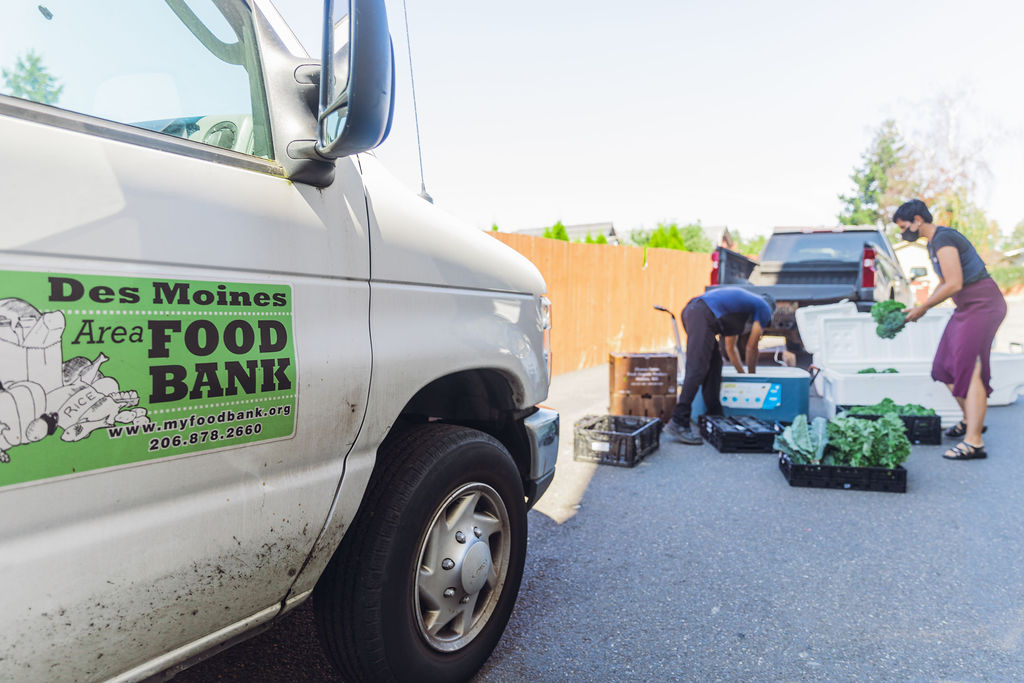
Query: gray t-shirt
pixel 971 264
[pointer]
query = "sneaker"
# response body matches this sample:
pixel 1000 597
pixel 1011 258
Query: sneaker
pixel 688 435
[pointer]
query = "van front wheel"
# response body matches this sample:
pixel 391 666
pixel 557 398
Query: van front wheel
pixel 424 582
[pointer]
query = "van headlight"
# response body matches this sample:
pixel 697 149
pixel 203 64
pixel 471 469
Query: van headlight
pixel 545 324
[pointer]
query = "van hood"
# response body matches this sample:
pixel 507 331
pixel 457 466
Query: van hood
pixel 414 242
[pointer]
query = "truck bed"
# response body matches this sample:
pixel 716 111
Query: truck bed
pixel 806 283
pixel 810 268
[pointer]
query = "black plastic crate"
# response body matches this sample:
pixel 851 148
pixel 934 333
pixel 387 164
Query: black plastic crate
pixel 617 440
pixel 922 429
pixel 738 433
pixel 844 477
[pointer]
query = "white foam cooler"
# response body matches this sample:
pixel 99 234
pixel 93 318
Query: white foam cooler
pixel 837 334
pixel 807 318
pixel 843 342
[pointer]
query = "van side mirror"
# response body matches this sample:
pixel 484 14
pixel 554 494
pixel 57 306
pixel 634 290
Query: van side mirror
pixel 917 273
pixel 357 78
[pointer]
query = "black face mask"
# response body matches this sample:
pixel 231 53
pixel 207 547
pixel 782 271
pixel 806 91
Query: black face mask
pixel 909 235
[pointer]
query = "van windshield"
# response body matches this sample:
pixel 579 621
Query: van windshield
pixel 185 68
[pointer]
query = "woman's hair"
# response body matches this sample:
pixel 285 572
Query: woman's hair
pixel 907 211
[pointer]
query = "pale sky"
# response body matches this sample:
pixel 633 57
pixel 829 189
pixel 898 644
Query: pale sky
pixel 747 114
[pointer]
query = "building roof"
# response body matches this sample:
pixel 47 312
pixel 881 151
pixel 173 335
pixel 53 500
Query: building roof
pixel 580 231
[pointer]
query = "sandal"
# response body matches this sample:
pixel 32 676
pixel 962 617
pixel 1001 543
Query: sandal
pixel 960 428
pixel 965 451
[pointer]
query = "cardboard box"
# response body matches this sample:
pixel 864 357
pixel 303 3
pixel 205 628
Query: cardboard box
pixel 642 373
pixel 659 405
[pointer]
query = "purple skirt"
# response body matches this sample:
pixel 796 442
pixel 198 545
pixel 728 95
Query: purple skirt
pixel 980 308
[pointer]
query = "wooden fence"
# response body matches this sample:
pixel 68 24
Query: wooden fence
pixel 603 296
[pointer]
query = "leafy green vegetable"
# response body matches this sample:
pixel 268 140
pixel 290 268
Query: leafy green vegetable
pixel 803 443
pixel 881 309
pixel 915 409
pixel 889 318
pixel 890 445
pixel 872 371
pixel 868 443
pixel 849 440
pixel 889 406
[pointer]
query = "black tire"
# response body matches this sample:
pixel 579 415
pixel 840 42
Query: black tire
pixel 373 601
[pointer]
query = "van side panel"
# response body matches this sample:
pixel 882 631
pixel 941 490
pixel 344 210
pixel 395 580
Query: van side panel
pixel 129 559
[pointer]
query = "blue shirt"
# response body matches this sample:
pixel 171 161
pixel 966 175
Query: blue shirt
pixel 735 307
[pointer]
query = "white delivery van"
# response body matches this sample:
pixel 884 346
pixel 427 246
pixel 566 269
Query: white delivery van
pixel 240 366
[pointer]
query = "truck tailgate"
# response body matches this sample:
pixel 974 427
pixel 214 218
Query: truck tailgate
pixel 810 294
pixel 836 273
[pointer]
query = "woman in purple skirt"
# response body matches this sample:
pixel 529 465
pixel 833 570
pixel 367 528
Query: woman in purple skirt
pixel 962 358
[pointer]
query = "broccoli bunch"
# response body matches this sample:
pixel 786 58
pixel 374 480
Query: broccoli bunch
pixel 889 318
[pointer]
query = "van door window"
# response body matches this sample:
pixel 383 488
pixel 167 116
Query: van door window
pixel 185 68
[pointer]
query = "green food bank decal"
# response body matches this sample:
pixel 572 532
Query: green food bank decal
pixel 100 371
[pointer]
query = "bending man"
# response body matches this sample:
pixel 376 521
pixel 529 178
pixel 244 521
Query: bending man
pixel 725 311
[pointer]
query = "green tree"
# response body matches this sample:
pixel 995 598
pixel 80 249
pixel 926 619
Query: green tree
pixel 557 232
pixel 886 164
pixel 670 236
pixel 494 227
pixel 752 246
pixel 1015 240
pixel 939 166
pixel 30 80
pixel 640 238
pixel 949 164
pixel 600 239
pixel 956 210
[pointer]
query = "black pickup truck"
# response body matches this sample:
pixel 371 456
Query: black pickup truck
pixel 814 266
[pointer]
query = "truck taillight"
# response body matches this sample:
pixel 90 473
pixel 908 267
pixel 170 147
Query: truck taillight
pixel 867 268
pixel 714 267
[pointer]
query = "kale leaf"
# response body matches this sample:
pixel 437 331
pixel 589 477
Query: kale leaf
pixel 866 443
pixel 889 444
pixel 889 318
pixel 887 405
pixel 915 409
pixel 803 443
pixel 849 440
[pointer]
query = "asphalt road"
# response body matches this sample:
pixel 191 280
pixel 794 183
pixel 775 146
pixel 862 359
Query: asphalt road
pixel 702 566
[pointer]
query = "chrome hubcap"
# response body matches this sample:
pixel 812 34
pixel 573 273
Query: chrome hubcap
pixel 463 562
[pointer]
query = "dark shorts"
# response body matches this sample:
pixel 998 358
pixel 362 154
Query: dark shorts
pixel 968 337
